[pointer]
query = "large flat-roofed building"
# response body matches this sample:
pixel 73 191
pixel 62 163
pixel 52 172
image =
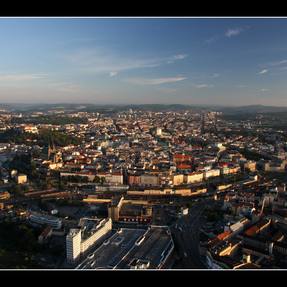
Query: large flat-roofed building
pixel 41 219
pixel 132 249
pixel 111 252
pixel 136 212
pixel 149 180
pixel 112 178
pixel 151 251
pixel 80 240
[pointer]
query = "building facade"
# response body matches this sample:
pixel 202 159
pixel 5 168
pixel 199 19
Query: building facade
pixel 77 244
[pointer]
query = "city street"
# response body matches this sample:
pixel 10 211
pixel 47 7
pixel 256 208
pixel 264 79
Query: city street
pixel 186 237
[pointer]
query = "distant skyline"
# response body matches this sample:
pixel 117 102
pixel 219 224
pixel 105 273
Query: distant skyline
pixel 195 61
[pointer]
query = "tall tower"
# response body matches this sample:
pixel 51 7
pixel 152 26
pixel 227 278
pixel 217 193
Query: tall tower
pixel 53 155
pixel 73 245
pixel 49 151
pixel 53 145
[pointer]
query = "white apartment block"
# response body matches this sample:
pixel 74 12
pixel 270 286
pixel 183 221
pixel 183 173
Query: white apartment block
pixel 76 244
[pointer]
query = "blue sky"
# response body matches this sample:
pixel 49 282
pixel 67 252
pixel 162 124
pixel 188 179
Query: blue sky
pixel 120 61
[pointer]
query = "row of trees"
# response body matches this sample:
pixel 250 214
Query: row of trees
pixel 53 120
pixel 43 138
pixel 59 138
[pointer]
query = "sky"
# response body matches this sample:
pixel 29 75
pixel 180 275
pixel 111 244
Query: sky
pixel 215 61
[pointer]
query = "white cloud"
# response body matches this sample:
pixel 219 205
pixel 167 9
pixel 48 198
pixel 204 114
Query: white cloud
pixel 98 61
pixel 155 81
pixel 200 86
pixel 233 32
pixel 21 77
pixel 172 59
pixel 278 63
pixel 211 39
pixel 264 71
pixel 65 87
pixel 228 33
pixel 102 61
pixel 215 75
pixel 241 86
pixel 112 74
pixel 167 90
pixel 180 56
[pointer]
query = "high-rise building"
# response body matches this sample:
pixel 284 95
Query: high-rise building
pixel 80 240
pixel 73 244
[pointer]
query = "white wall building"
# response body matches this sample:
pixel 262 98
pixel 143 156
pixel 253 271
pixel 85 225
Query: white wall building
pixel 211 173
pixel 77 243
pixel 177 179
pixel 194 177
pixel 73 244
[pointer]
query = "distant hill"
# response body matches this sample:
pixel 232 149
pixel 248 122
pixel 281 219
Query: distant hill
pixel 93 107
pixel 251 109
pixel 257 109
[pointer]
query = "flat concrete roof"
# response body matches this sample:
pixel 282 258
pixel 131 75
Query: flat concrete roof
pixel 118 251
pixel 154 248
pixel 111 252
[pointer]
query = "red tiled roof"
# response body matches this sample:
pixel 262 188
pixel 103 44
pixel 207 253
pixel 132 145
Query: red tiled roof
pixel 184 166
pixel 223 235
pixel 251 231
pixel 181 156
pixel 223 164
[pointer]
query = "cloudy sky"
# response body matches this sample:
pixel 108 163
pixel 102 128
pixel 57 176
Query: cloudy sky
pixel 119 61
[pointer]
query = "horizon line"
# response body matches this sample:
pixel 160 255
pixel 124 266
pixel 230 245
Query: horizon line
pixel 159 104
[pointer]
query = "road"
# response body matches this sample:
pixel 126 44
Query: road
pixel 186 238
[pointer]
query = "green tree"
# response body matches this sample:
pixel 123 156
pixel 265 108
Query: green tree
pixel 97 179
pixel 102 180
